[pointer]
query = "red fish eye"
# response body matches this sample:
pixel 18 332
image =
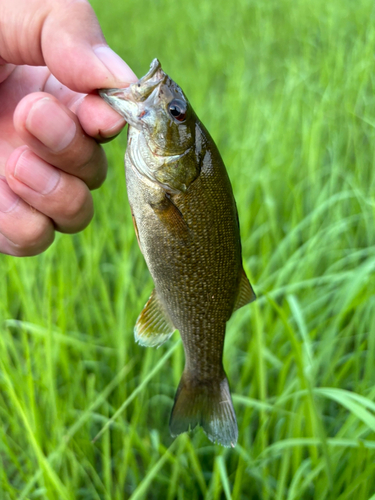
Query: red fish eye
pixel 177 109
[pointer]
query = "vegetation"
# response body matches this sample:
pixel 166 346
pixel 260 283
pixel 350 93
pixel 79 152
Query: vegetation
pixel 287 91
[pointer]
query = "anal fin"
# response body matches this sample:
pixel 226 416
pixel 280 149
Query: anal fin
pixel 246 293
pixel 153 326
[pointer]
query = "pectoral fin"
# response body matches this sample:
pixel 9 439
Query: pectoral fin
pixel 171 217
pixel 245 293
pixel 153 326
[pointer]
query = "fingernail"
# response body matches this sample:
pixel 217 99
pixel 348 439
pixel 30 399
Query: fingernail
pixel 119 69
pixel 8 199
pixel 49 123
pixel 35 173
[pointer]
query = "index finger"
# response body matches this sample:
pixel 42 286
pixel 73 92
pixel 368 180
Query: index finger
pixel 97 119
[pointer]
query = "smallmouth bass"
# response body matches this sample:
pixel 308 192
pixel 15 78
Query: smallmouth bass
pixel 186 222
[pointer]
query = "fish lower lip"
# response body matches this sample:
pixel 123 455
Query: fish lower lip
pixel 123 103
pixel 121 93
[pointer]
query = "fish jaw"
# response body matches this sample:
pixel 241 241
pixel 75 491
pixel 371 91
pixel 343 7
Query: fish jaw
pixel 130 102
pixel 119 100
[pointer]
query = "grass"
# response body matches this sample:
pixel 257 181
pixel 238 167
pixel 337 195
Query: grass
pixel 287 91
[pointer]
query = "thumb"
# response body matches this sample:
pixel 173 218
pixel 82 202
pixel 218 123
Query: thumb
pixel 75 50
pixel 65 36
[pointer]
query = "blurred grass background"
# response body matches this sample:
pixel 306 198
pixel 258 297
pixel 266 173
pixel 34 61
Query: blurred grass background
pixel 287 91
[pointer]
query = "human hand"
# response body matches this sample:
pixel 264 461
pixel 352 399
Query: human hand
pixel 52 53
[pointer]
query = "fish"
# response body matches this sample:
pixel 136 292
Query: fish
pixel 187 227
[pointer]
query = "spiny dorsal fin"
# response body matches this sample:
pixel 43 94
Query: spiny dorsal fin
pixel 245 292
pixel 153 326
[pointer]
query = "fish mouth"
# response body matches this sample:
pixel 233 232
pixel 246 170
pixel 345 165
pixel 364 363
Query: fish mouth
pixel 128 102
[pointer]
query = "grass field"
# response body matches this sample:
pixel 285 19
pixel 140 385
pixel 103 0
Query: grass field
pixel 287 91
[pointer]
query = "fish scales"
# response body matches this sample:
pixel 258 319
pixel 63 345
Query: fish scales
pixel 186 222
pixel 189 276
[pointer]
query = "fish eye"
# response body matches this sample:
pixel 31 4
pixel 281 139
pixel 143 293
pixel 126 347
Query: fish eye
pixel 177 109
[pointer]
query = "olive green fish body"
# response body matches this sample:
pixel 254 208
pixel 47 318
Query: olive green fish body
pixel 187 227
pixel 197 265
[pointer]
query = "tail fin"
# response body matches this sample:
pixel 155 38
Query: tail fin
pixel 208 404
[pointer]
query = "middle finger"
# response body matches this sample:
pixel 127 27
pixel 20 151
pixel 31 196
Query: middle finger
pixel 54 133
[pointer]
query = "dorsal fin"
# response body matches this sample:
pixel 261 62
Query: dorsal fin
pixel 153 326
pixel 245 292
